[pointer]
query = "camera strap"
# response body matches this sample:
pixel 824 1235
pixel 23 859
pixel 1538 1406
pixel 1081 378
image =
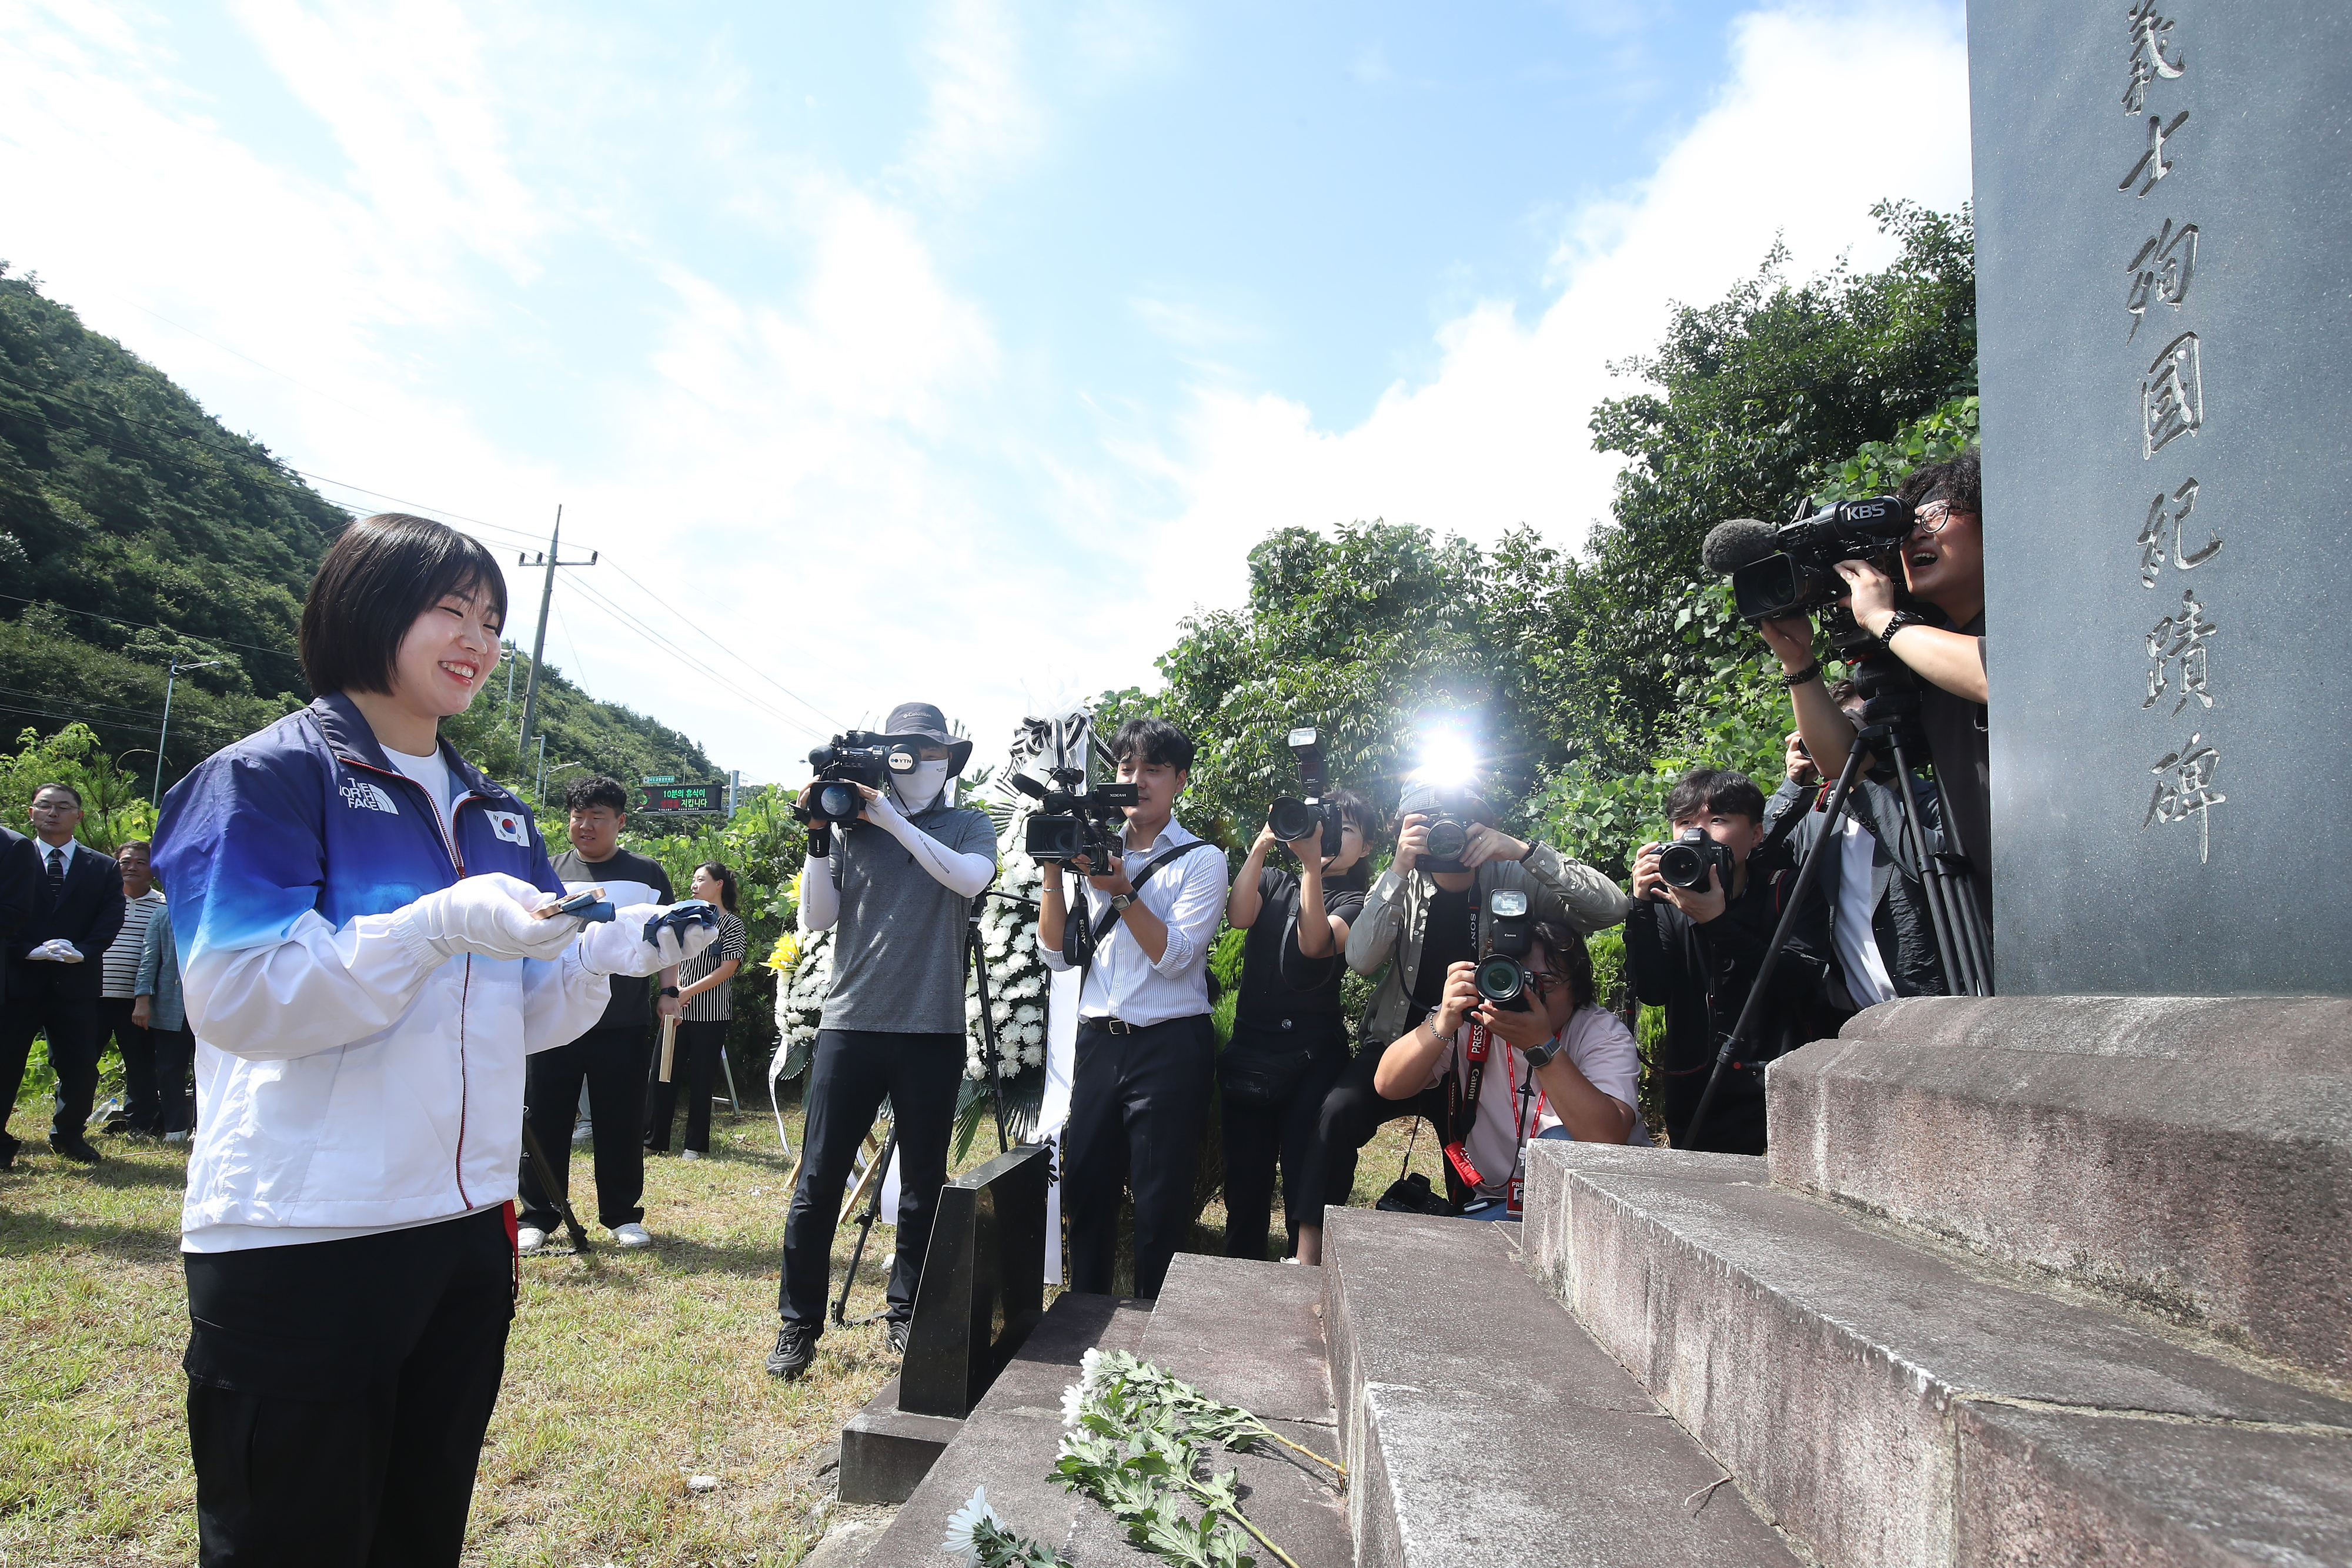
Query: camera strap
pixel 1458 1148
pixel 1110 916
pixel 1098 929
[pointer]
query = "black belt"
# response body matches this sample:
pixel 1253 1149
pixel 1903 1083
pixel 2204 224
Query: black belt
pixel 1120 1026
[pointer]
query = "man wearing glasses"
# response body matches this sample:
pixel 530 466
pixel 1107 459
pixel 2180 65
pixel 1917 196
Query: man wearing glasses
pixel 1562 1069
pixel 1943 566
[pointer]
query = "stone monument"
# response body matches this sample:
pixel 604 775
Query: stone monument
pixel 2164 283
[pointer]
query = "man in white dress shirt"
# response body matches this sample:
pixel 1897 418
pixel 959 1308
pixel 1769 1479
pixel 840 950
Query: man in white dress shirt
pixel 1146 1053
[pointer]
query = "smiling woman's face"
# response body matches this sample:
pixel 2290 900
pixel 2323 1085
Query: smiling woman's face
pixel 449 654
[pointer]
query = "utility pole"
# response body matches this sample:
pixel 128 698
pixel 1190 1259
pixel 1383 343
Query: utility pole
pixel 539 643
pixel 171 680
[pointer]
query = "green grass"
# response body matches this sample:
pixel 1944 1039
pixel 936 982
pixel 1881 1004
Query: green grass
pixel 625 1372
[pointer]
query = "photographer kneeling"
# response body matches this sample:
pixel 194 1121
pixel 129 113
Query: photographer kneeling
pixel 897 885
pixel 1567 1068
pixel 1695 947
pixel 1942 565
pixel 1289 1039
pixel 1421 918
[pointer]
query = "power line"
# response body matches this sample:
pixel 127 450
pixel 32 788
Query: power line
pixel 730 653
pixel 632 623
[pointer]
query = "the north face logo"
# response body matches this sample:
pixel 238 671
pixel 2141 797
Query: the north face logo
pixel 363 795
pixel 511 827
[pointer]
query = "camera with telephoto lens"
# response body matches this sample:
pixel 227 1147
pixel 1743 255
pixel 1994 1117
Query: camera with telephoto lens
pixel 1792 570
pixel 1503 974
pixel 1070 824
pixel 1293 819
pixel 1683 863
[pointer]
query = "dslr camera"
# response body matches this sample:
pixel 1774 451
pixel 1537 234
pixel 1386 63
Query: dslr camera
pixel 1074 819
pixel 857 758
pixel 1792 570
pixel 1502 973
pixel 1683 862
pixel 1293 819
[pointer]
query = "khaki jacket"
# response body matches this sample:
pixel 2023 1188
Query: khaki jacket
pixel 1396 913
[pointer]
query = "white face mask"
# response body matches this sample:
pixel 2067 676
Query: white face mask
pixel 918 789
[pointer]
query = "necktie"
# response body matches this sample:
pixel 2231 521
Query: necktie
pixel 57 874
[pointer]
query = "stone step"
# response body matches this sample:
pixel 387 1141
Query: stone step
pixel 1482 1425
pixel 1889 1404
pixel 2187 1156
pixel 1249 1333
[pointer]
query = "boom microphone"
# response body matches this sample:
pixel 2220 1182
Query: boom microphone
pixel 1734 544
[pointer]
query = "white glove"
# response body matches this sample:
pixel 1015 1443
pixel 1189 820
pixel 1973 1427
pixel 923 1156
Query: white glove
pixel 57 950
pixel 488 915
pixel 619 946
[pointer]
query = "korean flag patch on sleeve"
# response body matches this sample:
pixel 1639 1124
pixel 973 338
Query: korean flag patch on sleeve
pixel 511 826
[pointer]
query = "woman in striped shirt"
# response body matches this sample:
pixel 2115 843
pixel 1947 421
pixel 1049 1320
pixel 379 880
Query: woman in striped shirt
pixel 704 986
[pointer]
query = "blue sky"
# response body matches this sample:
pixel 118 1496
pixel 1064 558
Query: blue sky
pixel 947 351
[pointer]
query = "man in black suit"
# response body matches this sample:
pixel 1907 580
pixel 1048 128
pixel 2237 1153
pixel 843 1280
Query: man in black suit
pixel 55 974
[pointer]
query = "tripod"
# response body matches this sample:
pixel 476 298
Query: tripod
pixel 1963 950
pixel 544 1168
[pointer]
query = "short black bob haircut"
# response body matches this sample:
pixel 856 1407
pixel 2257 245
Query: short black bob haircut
pixel 1721 790
pixel 1354 808
pixel 381 574
pixel 596 789
pixel 1152 740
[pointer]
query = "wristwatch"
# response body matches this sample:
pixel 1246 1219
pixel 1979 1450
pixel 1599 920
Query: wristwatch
pixel 1119 901
pixel 1538 1055
pixel 669 990
pixel 1899 620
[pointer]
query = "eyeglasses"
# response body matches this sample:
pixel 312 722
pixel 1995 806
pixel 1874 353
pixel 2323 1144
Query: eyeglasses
pixel 1931 519
pixel 1543 982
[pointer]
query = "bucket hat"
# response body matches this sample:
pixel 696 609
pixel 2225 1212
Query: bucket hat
pixel 923 722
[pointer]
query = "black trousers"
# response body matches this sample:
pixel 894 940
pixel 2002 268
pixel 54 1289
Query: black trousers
pixel 338 1392
pixel 38 1002
pixel 852 1071
pixel 175 1061
pixel 1353 1111
pixel 1138 1105
pixel 612 1061
pixel 695 1063
pixel 1735 1122
pixel 1255 1133
pixel 143 1108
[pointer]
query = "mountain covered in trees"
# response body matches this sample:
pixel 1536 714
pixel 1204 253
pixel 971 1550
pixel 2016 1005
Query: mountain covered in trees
pixel 134 527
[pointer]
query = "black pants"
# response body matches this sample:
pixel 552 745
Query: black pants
pixel 694 1062
pixel 1735 1122
pixel 612 1061
pixel 849 1076
pixel 142 1109
pixel 1138 1104
pixel 1255 1133
pixel 1353 1111
pixel 39 1003
pixel 338 1392
pixel 175 1061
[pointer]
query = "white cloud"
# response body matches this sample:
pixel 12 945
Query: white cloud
pixel 1498 435
pixel 829 454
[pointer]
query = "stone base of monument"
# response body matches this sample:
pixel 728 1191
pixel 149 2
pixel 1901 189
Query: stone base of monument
pixel 886 1452
pixel 1995 1298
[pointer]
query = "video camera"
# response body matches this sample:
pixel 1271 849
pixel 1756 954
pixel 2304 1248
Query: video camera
pixel 1683 862
pixel 1292 818
pixel 1792 570
pixel 1071 822
pixel 857 758
pixel 1503 975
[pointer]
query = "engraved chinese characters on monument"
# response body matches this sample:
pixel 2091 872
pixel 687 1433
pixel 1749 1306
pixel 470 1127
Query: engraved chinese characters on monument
pixel 2164 270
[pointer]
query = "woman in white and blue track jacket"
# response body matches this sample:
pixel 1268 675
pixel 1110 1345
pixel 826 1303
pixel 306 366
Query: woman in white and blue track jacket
pixel 364 972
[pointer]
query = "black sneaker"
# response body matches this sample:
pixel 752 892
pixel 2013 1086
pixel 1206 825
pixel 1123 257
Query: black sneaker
pixel 8 1147
pixel 77 1148
pixel 795 1348
pixel 897 1332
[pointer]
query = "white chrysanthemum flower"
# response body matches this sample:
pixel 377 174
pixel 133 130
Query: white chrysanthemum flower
pixel 964 1521
pixel 1090 1369
pixel 1034 1055
pixel 1073 1401
pixel 1026 1013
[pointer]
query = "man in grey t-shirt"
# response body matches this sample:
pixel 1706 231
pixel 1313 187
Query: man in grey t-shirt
pixel 897 889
